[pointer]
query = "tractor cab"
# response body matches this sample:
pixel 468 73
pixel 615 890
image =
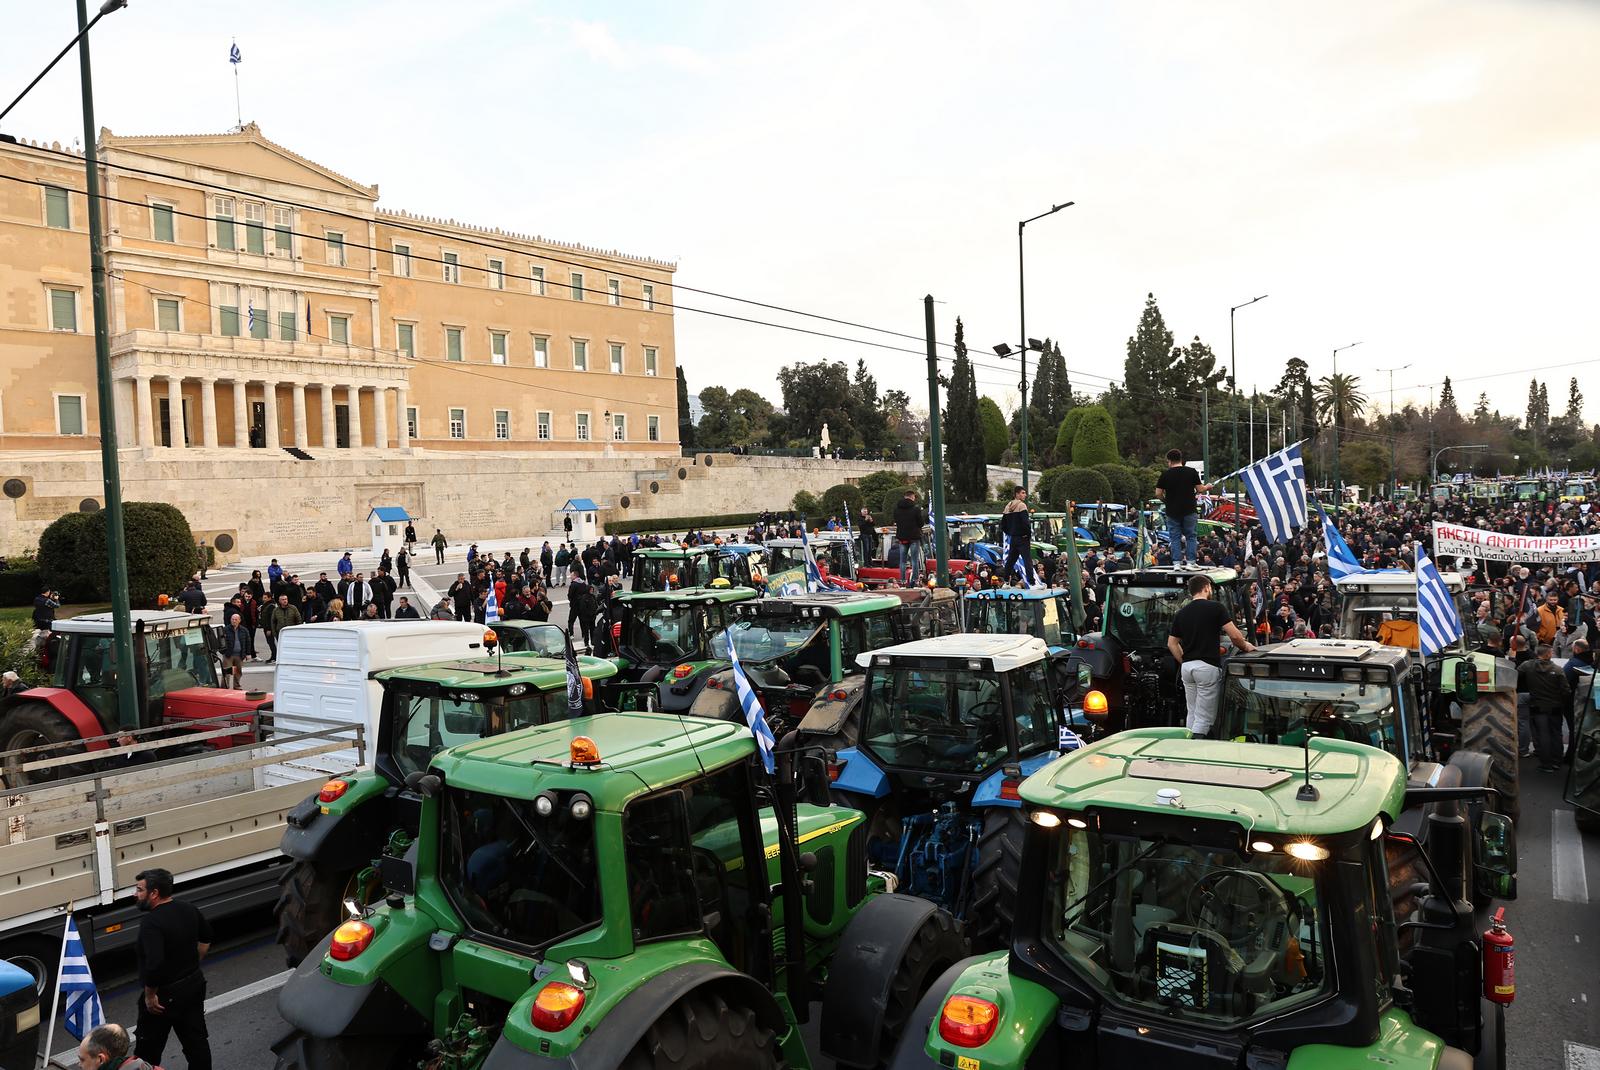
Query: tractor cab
pixel 668 568
pixel 531 637
pixel 662 639
pixel 786 562
pixel 1578 490
pixel 1042 612
pixel 1583 775
pixel 1381 604
pixel 1443 492
pixel 1529 490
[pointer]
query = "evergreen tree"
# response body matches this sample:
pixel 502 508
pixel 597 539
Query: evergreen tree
pixel 1530 422
pixel 1096 440
pixel 963 430
pixel 1042 389
pixel 1574 415
pixel 995 436
pixel 685 423
pixel 1447 400
pixel 1544 406
pixel 865 410
pixel 1145 409
pixel 1480 413
pixel 1062 399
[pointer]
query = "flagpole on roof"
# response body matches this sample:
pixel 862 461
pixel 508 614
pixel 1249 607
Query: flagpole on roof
pixel 234 58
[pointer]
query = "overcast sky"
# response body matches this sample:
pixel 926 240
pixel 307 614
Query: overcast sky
pixel 1420 176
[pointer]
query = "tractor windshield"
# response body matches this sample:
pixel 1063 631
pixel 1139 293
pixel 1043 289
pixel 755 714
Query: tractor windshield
pixel 1195 933
pixel 1390 617
pixel 1266 710
pixel 663 573
pixel 514 875
pixel 664 634
pixel 178 659
pixel 425 724
pixel 759 641
pixel 1016 616
pixel 1138 617
pixel 941 720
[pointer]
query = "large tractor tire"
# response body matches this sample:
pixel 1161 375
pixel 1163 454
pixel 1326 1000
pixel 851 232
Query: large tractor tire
pixel 40 956
pixel 309 907
pixel 35 724
pixel 703 1032
pixel 937 945
pixel 1489 726
pixel 298 1051
pixel 994 877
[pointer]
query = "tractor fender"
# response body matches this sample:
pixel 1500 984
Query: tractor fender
pixel 717 703
pixel 355 830
pixel 860 775
pixel 827 715
pixel 988 793
pixel 910 1053
pixel 863 969
pixel 616 1034
pixel 74 709
pixel 1097 657
pixel 324 1008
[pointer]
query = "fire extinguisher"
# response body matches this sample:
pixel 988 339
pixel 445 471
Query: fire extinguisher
pixel 1499 961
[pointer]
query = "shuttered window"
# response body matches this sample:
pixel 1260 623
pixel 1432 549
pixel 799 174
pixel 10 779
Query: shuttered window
pixel 56 212
pixel 63 310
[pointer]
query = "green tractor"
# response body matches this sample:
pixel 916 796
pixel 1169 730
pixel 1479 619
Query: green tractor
pixel 662 638
pixel 665 568
pixel 622 891
pixel 338 837
pixel 1227 905
pixel 1583 775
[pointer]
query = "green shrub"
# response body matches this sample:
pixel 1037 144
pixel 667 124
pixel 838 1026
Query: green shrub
pixel 677 524
pixel 805 503
pixel 1124 482
pixel 891 498
pixel 1049 485
pixel 1008 489
pixel 160 552
pixel 1084 485
pixel 17 653
pixel 1147 482
pixel 873 487
pixel 19 587
pixel 840 500
pixel 23 562
pixel 67 556
pixel 1066 432
pixel 1096 439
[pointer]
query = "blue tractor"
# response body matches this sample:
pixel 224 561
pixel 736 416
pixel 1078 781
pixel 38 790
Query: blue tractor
pixel 1045 613
pixel 949 729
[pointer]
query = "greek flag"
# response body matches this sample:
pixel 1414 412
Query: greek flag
pixel 815 581
pixel 1029 577
pixel 491 606
pixel 1438 623
pixel 81 1009
pixel 1341 559
pixel 1277 488
pixel 233 54
pixel 754 715
pixel 574 683
pixel 250 325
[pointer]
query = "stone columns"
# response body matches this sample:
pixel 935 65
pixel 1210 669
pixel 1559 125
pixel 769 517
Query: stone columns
pixel 330 433
pixel 269 394
pixel 241 416
pixel 353 398
pixel 380 417
pixel 175 410
pixel 301 438
pixel 127 433
pixel 208 412
pixel 402 432
pixel 147 423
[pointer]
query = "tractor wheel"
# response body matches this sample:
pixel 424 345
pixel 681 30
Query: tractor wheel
pixel 309 907
pixel 35 724
pixel 702 1032
pixel 937 946
pixel 298 1051
pixel 1489 726
pixel 994 877
pixel 39 955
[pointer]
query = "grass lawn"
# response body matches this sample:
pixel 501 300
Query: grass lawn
pixel 24 614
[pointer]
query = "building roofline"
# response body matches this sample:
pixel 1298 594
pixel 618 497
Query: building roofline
pixel 401 216
pixel 250 133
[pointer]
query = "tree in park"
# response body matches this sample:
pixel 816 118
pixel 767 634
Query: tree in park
pixel 1067 431
pixel 685 421
pixel 816 393
pixel 963 430
pixel 1096 440
pixel 995 435
pixel 1574 414
pixel 1447 400
pixel 1480 412
pixel 1339 401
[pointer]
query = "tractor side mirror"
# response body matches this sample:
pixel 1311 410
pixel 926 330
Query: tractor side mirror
pixel 1433 677
pixel 398 875
pixel 1466 681
pixel 1495 857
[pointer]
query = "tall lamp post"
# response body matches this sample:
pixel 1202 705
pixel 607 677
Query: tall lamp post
pixel 1022 332
pixel 1233 383
pixel 1338 484
pixel 1394 478
pixel 1433 463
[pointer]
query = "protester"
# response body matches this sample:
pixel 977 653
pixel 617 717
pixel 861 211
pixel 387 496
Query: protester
pixel 234 645
pixel 107 1047
pixel 460 594
pixel 1195 642
pixel 1549 704
pixel 283 616
pixel 405 610
pixel 173 939
pixel 45 604
pixel 909 520
pixel 439 544
pixel 1017 532
pixel 1177 488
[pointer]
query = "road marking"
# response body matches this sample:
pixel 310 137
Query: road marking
pixel 1570 883
pixel 1582 1057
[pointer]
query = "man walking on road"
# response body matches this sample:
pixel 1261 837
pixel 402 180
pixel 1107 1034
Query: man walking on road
pixel 236 644
pixel 173 937
pixel 1177 488
pixel 1549 702
pixel 1195 643
pixel 402 565
pixel 283 616
pixel 439 544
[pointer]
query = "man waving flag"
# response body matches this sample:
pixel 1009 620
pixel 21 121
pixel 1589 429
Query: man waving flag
pixel 754 715
pixel 1438 623
pixel 1341 559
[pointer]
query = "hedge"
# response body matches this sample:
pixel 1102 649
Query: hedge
pixel 840 500
pixel 1066 432
pixel 65 548
pixel 1125 482
pixel 1084 485
pixel 804 502
pixel 873 487
pixel 1049 485
pixel 160 552
pixel 891 498
pixel 19 587
pixel 1096 440
pixel 681 523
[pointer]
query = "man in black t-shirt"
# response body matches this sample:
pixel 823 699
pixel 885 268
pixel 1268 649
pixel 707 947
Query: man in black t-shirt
pixel 173 937
pixel 1195 642
pixel 1177 487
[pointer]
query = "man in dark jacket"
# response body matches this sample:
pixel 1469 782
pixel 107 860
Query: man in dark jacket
pixel 581 603
pixel 234 645
pixel 460 593
pixel 405 610
pixel 45 605
pixel 1017 532
pixel 909 520
pixel 326 589
pixel 1549 700
pixel 283 616
pixel 383 589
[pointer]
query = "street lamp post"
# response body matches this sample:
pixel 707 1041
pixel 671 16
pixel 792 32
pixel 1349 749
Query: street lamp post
pixel 1022 320
pixel 1338 484
pixel 1433 463
pixel 1394 478
pixel 1233 385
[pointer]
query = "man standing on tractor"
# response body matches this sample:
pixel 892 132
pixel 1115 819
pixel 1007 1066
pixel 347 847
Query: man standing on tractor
pixel 1195 642
pixel 909 520
pixel 1017 531
pixel 1177 488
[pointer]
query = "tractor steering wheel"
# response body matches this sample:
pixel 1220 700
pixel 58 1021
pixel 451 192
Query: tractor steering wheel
pixel 1241 918
pixel 970 714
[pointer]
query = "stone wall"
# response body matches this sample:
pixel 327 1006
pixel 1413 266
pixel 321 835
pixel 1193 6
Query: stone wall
pixel 249 504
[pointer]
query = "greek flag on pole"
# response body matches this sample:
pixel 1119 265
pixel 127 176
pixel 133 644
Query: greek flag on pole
pixel 1029 577
pixel 1438 623
pixel 81 1010
pixel 233 54
pixel 574 683
pixel 491 606
pixel 754 715
pixel 1341 559
pixel 1277 488
pixel 250 325
pixel 815 581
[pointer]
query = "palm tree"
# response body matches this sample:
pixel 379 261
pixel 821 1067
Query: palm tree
pixel 1339 400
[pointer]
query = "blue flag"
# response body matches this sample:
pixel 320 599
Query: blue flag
pixel 233 54
pixel 1438 623
pixel 1341 559
pixel 81 1010
pixel 754 715
pixel 1277 488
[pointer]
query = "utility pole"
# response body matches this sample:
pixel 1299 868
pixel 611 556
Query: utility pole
pixel 1338 415
pixel 116 546
pixel 1022 325
pixel 941 536
pixel 1394 473
pixel 1233 386
pixel 1205 430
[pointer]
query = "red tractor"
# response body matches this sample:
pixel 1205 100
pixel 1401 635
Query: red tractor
pixel 175 667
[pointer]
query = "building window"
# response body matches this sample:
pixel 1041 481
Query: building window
pixel 452 267
pixel 650 360
pixel 56 212
pixel 616 358
pixel 258 320
pixel 497 274
pixel 167 314
pixel 402 260
pixel 161 225
pixel 339 330
pixel 255 228
pixel 336 248
pixel 222 211
pixel 411 421
pixel 614 291
pixel 458 423
pixel 541 352
pixel 405 338
pixel 544 426
pixel 649 298
pixel 537 274
pixel 619 427
pixel 583 427
pixel 577 286
pixel 452 343
pixel 283 230
pixel 502 424
pixel 228 321
pixel 652 428
pixel 69 414
pixel 497 347
pixel 580 355
pixel 63 310
pixel 287 328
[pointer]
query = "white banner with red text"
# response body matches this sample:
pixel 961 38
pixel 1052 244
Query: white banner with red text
pixel 1454 540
